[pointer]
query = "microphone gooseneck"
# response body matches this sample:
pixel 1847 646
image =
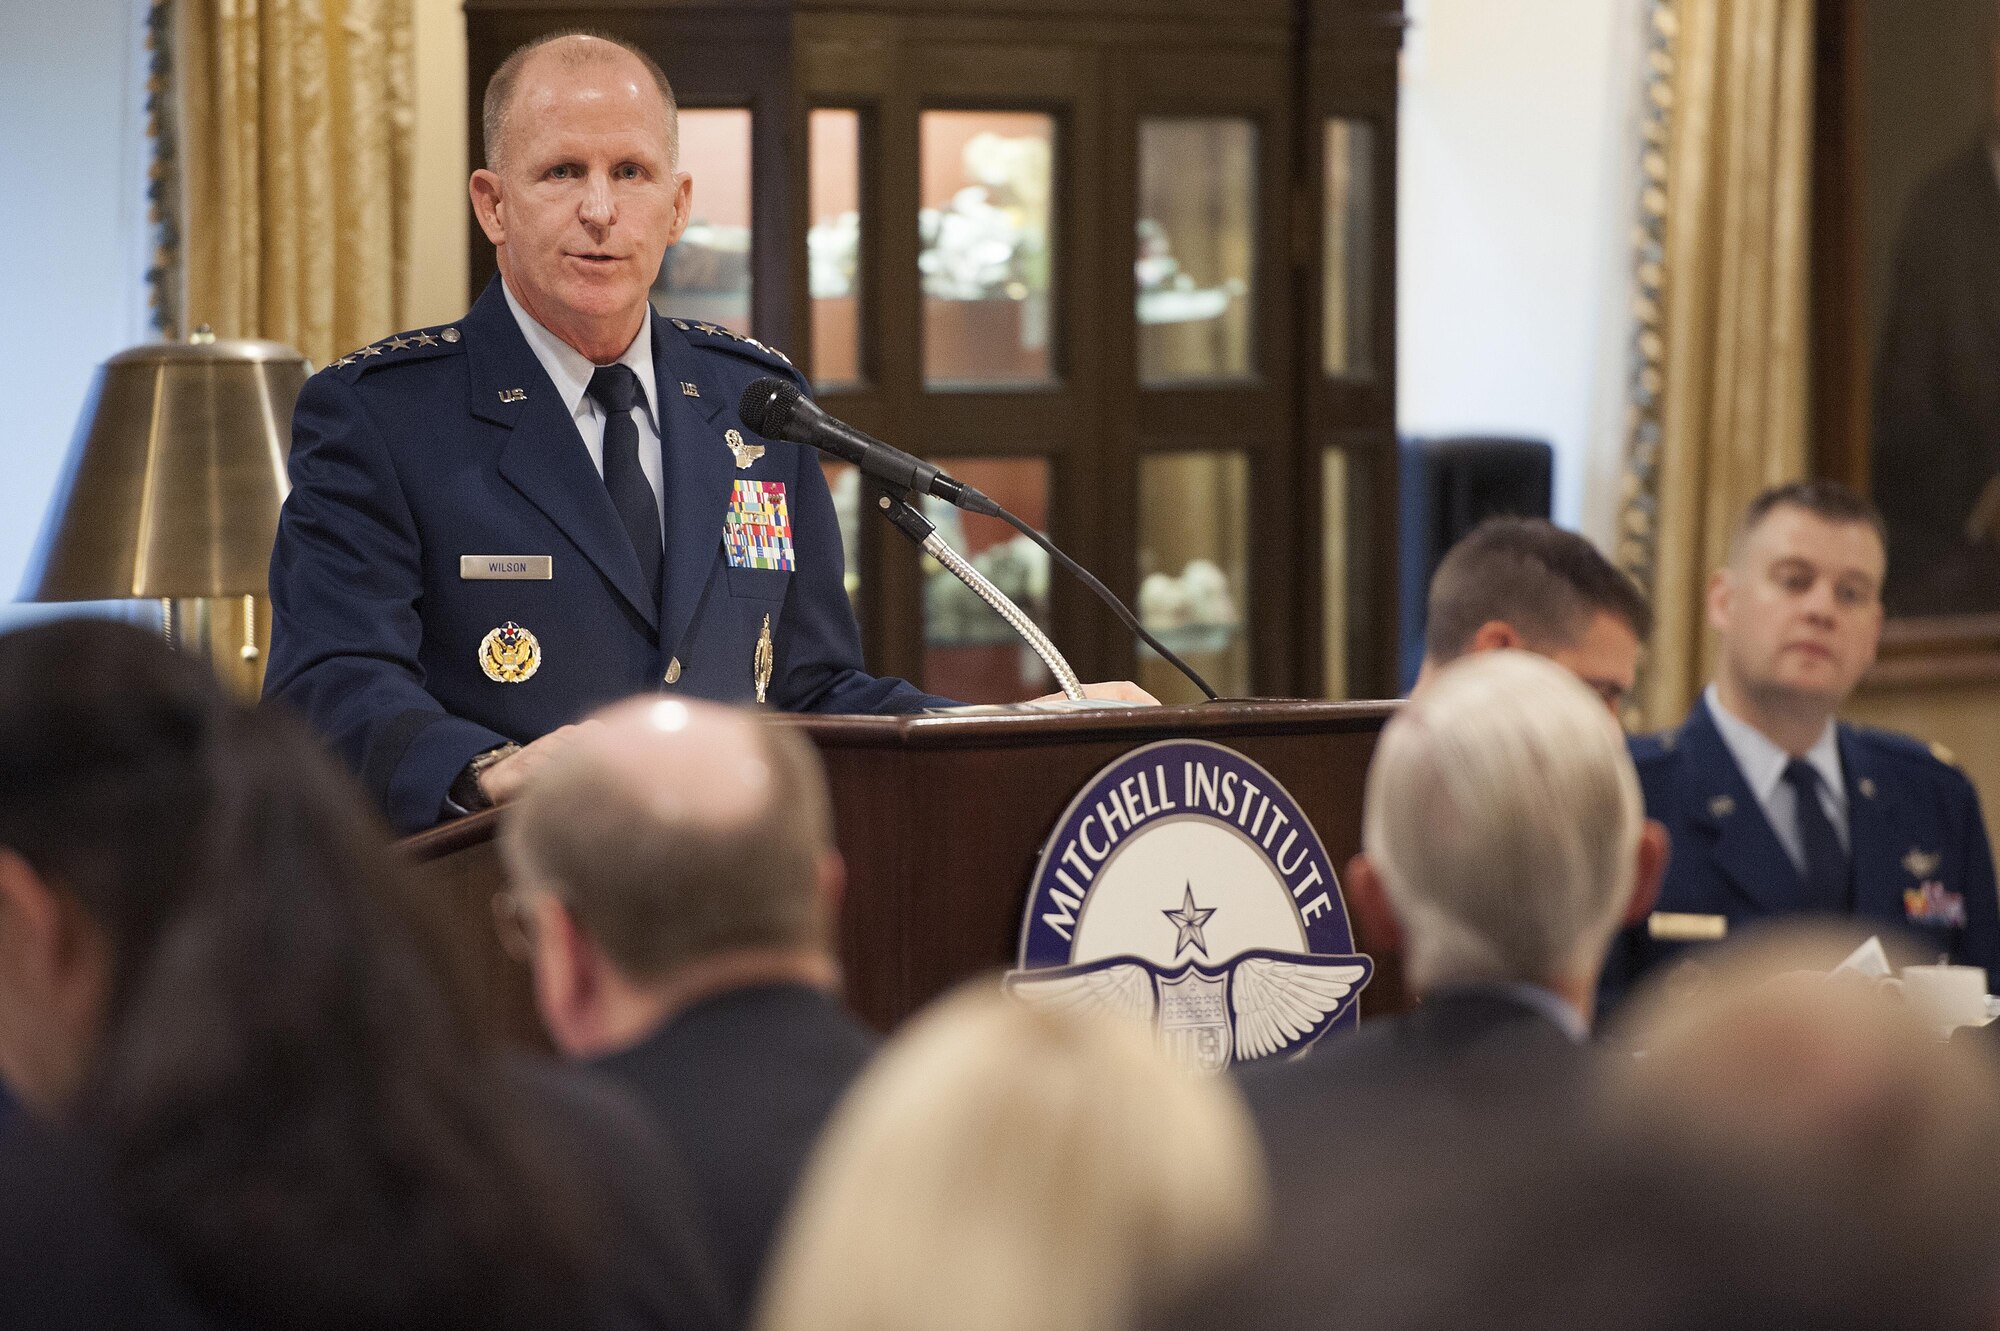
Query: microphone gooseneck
pixel 777 409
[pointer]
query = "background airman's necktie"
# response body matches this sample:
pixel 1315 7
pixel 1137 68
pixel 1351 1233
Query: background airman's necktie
pixel 1826 861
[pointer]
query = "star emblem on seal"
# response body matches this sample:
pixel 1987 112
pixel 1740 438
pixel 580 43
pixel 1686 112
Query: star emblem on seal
pixel 1190 918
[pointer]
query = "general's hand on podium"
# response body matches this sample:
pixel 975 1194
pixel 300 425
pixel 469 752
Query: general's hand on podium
pixel 1117 690
pixel 502 781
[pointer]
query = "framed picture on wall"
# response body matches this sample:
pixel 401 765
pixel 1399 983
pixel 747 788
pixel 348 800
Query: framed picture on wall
pixel 1906 309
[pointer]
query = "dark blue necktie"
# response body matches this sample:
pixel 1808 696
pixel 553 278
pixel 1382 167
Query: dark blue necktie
pixel 615 388
pixel 1826 862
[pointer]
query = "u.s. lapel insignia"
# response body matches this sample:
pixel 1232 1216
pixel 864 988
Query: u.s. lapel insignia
pixel 761 660
pixel 689 390
pixel 510 654
pixel 745 453
pixel 1721 806
pixel 1866 785
pixel 513 395
pixel 1919 864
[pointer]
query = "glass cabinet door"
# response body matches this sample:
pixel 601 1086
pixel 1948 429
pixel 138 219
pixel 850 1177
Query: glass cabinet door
pixel 1347 311
pixel 1194 558
pixel 986 248
pixel 970 653
pixel 1197 248
pixel 833 246
pixel 705 278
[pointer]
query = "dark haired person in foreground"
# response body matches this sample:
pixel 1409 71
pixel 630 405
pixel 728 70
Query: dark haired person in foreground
pixel 1527 583
pixel 1775 808
pixel 205 998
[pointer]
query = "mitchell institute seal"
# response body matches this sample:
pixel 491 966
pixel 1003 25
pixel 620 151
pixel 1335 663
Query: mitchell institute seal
pixel 1184 886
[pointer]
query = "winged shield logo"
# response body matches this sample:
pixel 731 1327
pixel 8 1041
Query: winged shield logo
pixel 1188 847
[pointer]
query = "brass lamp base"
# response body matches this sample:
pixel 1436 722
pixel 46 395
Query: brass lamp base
pixel 231 633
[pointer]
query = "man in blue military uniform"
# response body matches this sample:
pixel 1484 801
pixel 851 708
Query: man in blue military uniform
pixel 1774 807
pixel 500 525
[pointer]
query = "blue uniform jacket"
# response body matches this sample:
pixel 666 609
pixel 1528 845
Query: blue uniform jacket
pixel 452 441
pixel 1918 847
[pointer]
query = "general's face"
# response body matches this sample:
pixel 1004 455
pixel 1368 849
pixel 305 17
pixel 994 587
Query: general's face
pixel 586 198
pixel 1800 609
pixel 1606 658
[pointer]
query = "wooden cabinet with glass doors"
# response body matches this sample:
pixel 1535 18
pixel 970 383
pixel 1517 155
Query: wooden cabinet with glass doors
pixel 1125 265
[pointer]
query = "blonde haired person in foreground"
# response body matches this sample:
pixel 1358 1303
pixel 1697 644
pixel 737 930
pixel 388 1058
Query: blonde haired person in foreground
pixel 1003 1167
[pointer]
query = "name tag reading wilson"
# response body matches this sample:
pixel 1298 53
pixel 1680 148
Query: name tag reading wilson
pixel 507 568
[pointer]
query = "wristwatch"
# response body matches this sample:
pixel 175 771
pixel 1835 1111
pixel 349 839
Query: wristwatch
pixel 466 792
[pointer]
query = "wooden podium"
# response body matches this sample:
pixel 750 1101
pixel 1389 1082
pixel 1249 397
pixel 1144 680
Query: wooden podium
pixel 941 819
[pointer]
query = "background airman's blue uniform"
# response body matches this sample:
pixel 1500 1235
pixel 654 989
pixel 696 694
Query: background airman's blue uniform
pixel 1917 847
pixel 452 441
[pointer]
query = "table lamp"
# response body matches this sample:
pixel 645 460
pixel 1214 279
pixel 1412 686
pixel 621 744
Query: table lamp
pixel 171 491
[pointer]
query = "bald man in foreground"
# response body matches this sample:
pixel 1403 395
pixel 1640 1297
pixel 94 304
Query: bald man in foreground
pixel 674 871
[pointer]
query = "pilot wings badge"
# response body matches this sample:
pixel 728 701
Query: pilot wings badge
pixel 1184 888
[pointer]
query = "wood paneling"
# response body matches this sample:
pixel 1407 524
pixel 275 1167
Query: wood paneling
pixel 941 821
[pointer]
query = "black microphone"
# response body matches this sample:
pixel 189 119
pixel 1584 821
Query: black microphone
pixel 776 409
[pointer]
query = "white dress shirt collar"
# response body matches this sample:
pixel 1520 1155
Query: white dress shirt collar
pixel 1763 763
pixel 1551 1005
pixel 570 370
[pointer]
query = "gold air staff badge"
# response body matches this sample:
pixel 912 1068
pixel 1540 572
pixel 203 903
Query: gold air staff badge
pixel 761 660
pixel 746 453
pixel 510 654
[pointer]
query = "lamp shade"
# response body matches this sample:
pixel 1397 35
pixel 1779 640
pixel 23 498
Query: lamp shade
pixel 174 478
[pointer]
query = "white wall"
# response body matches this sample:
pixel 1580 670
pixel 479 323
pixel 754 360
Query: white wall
pixel 73 238
pixel 1518 181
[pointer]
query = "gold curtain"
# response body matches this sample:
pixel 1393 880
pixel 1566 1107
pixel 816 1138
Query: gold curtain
pixel 1720 388
pixel 295 139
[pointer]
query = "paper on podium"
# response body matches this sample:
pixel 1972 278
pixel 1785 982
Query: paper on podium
pixel 1039 705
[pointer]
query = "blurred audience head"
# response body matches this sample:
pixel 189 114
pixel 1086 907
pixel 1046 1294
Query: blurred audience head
pixel 1798 606
pixel 1527 583
pixel 1006 1167
pixel 1785 1151
pixel 202 978
pixel 674 849
pixel 1827 1082
pixel 1833 1117
pixel 1503 836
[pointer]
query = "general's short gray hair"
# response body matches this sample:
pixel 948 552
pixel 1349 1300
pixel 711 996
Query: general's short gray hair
pixel 496 110
pixel 1503 815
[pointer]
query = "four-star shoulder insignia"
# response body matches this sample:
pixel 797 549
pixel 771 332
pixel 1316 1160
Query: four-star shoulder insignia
pixel 422 344
pixel 1944 755
pixel 727 339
